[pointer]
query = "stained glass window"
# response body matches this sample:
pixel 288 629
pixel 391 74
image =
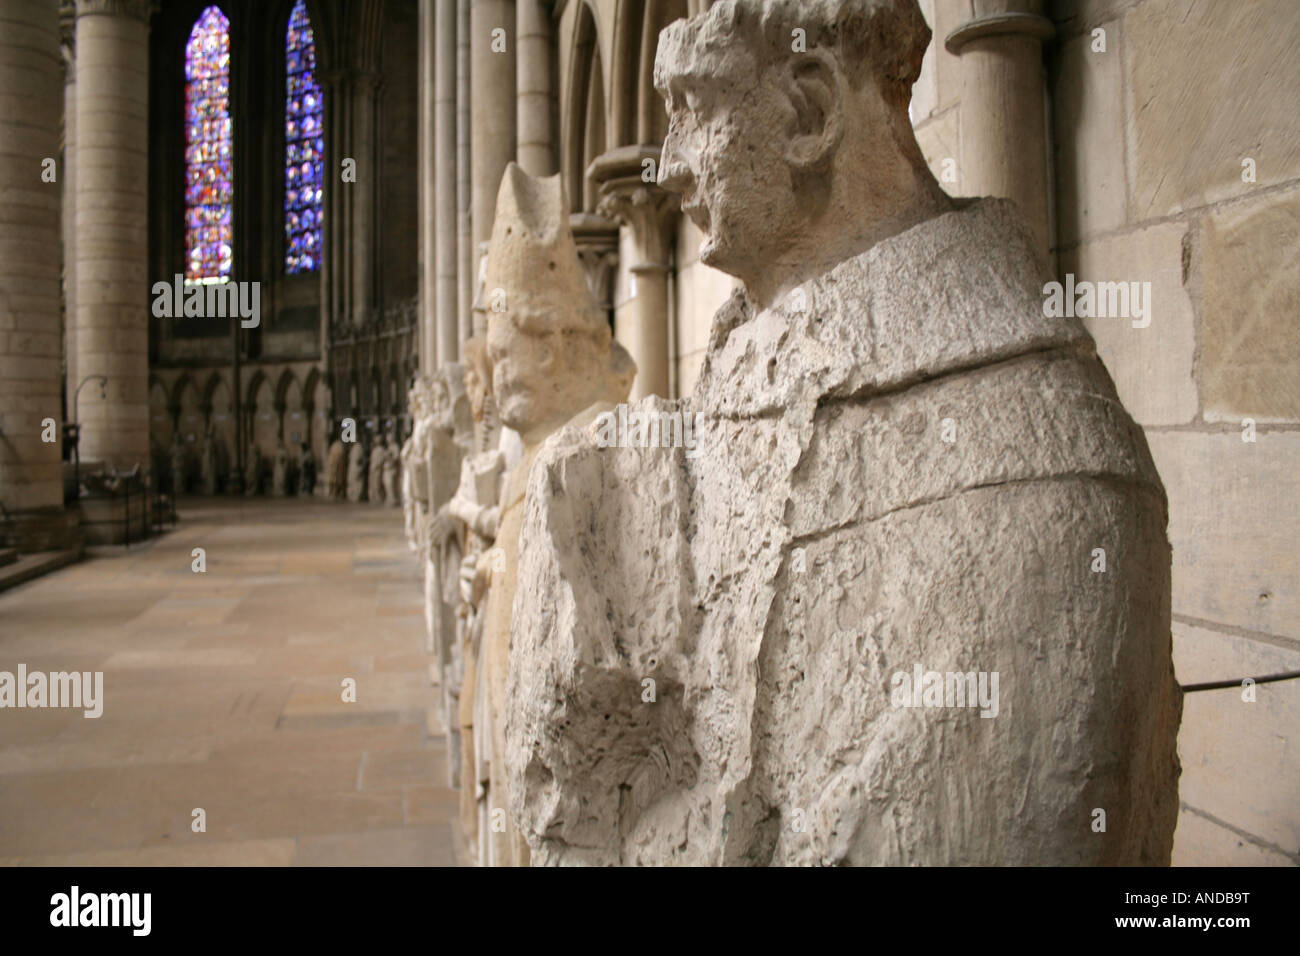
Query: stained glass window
pixel 208 234
pixel 304 146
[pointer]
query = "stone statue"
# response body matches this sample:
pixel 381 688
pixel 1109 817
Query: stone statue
pixel 553 364
pixel 356 484
pixel 336 468
pixel 415 473
pixel 391 472
pixel 457 535
pixel 855 615
pixel 306 472
pixel 252 470
pixel 178 467
pixel 210 461
pixel 378 454
pixel 280 471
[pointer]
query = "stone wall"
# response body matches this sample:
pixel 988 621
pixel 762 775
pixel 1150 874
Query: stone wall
pixel 1154 143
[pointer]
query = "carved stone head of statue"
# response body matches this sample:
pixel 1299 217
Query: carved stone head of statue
pixel 453 410
pixel 418 398
pixel 788 137
pixel 439 402
pixel 478 376
pixel 548 340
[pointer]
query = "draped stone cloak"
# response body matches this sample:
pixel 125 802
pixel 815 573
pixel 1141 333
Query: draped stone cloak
pixel 902 466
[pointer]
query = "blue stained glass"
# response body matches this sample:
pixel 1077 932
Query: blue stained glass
pixel 303 146
pixel 208 171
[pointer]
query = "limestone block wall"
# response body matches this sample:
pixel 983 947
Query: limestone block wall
pixel 1175 161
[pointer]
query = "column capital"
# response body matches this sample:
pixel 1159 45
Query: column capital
pixel 999 24
pixel 137 9
pixel 643 206
pixel 596 239
pixel 68 30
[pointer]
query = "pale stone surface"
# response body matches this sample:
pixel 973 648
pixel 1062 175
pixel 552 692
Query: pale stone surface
pixel 1185 154
pixel 30 345
pixel 375 483
pixel 461 531
pixel 280 472
pixel 939 83
pixel 940 140
pixel 1088 113
pixel 554 364
pixel 701 663
pixel 1224 504
pixel 1228 745
pixel 1152 366
pixel 111 197
pixel 1202 842
pixel 356 484
pixel 445 439
pixel 1250 296
pixel 336 471
pixel 222 691
pixel 391 473
pixel 415 478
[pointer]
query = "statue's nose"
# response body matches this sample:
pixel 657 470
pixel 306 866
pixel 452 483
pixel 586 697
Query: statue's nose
pixel 674 177
pixel 674 171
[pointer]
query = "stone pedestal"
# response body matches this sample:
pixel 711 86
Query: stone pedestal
pixel 111 196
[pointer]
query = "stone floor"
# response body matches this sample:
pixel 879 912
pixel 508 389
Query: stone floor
pixel 223 691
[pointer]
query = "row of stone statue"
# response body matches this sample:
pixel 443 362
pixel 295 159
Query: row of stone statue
pixel 900 468
pixel 359 474
pixel 281 476
pixel 352 471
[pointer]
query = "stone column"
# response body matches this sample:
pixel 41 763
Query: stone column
pixel 492 132
pixel 446 296
pixel 1003 123
pixel 364 192
pixel 67 189
pixel 428 164
pixel 112 295
pixel 464 194
pixel 647 213
pixel 534 100
pixel 31 487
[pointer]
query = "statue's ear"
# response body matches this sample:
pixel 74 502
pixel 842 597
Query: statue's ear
pixel 815 85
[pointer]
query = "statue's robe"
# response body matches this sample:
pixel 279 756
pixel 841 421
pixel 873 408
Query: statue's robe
pixel 375 486
pixel 903 464
pixel 280 474
pixel 356 484
pixel 415 496
pixel 437 473
pixel 507 845
pixel 336 470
